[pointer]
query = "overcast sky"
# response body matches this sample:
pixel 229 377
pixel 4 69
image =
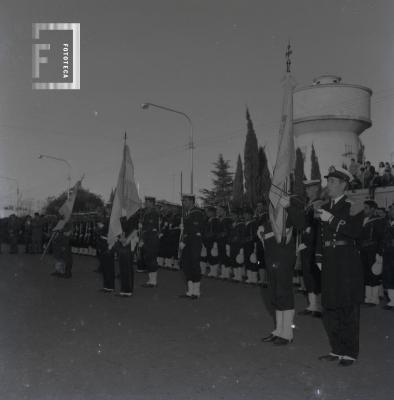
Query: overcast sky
pixel 208 58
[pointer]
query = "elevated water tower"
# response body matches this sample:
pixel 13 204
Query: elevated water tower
pixel 331 115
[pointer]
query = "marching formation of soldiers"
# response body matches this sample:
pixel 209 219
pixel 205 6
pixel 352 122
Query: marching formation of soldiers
pixel 346 258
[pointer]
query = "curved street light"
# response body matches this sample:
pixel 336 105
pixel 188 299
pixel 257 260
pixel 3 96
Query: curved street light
pixel 145 106
pixel 41 156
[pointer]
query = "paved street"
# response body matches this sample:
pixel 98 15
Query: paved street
pixel 63 339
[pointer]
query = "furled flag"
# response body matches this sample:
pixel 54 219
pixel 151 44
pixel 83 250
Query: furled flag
pixel 67 208
pixel 126 200
pixel 284 162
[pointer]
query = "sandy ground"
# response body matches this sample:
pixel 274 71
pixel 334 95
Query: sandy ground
pixel 63 339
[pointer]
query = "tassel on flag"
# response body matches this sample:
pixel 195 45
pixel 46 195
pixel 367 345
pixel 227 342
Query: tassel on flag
pixel 126 200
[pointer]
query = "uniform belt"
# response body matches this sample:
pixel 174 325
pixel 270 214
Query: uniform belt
pixel 334 243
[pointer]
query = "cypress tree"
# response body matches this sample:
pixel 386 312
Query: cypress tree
pixel 264 179
pixel 299 174
pixel 251 163
pixel 315 169
pixel 238 186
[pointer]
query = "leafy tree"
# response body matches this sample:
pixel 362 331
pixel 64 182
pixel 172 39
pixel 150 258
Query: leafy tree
pixel 238 186
pixel 221 192
pixel 251 163
pixel 85 201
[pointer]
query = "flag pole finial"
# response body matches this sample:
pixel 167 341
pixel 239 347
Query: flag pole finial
pixel 125 137
pixel 288 53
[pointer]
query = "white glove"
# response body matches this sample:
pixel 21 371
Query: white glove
pixel 160 235
pixel 324 215
pixel 379 259
pixel 182 245
pixel 124 212
pixel 140 243
pixel 253 258
pixel 260 232
pixel 228 250
pixel 214 250
pixel 301 247
pixel 139 225
pixel 319 265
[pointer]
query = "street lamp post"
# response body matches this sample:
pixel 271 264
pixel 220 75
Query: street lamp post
pixel 145 106
pixel 17 191
pixel 41 156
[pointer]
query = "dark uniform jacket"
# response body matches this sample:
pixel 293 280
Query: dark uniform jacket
pixel 150 224
pixel 193 224
pixel 342 273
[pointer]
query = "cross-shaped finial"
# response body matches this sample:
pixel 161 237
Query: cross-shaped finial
pixel 289 52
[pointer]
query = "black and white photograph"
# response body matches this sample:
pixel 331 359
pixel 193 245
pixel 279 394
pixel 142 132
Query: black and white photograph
pixel 196 200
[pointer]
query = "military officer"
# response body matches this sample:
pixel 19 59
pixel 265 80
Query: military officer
pixel 191 245
pixel 150 240
pixel 371 252
pixel 341 269
pixel 307 248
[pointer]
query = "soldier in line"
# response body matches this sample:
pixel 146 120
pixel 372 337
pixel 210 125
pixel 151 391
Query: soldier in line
pixel 225 223
pixel 371 252
pixel 249 246
pixel 342 272
pixel 36 233
pixel 13 229
pixel 149 240
pixel 27 234
pixel 307 248
pixel 210 240
pixel 236 239
pixel 191 244
pixel 388 260
pixel 280 260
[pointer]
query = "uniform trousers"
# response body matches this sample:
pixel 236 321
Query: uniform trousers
pixel 150 252
pixel 126 269
pixel 190 258
pixel 343 326
pixel 107 264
